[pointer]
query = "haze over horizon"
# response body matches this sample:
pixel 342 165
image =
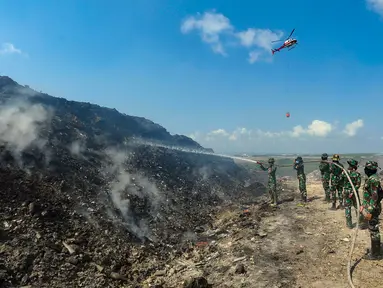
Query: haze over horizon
pixel 204 68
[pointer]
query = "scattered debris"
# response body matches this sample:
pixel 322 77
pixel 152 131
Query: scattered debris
pixel 240 269
pixel 239 259
pixel 69 248
pixel 198 282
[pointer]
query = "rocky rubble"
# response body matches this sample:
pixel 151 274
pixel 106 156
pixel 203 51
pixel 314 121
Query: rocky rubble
pixel 244 246
pixel 83 206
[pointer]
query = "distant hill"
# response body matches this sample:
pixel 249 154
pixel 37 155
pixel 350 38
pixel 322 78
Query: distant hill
pixel 93 119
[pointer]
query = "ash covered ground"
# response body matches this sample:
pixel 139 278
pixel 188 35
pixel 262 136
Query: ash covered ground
pixel 82 205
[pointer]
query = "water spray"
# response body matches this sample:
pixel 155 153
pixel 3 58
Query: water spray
pixel 199 152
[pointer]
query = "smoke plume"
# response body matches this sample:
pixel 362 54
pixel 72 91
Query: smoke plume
pixel 20 125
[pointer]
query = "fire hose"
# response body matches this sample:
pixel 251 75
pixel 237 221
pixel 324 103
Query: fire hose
pixel 349 272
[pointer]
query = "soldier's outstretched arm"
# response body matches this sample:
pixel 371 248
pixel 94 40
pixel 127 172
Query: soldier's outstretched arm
pixel 262 167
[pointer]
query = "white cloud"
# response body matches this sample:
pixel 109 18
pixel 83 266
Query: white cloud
pixel 243 139
pixel 352 128
pixel 219 132
pixel 9 48
pixel 376 6
pixel 239 132
pixel 258 38
pixel 254 56
pixel 316 128
pixel 211 26
pixel 213 134
pixel 214 28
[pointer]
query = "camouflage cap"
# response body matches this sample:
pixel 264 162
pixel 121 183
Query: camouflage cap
pixel 371 165
pixel 336 157
pixel 352 162
pixel 271 160
pixel 299 159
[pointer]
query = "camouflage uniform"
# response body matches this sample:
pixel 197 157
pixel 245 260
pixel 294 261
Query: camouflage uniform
pixel 336 182
pixel 324 168
pixel 299 166
pixel 272 181
pixel 348 194
pixel 371 207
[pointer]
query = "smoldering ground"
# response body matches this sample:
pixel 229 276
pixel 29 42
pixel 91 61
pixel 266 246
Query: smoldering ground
pixel 123 186
pixel 25 124
pixel 21 126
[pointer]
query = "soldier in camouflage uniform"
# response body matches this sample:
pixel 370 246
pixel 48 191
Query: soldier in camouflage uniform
pixel 324 168
pixel 371 208
pixel 272 182
pixel 336 182
pixel 299 166
pixel 348 194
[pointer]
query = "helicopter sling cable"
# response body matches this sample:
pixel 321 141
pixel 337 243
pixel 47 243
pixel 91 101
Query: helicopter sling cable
pixel 289 43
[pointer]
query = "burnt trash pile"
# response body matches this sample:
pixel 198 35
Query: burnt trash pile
pixel 82 205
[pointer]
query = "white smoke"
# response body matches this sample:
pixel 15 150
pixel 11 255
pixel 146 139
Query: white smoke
pixel 77 148
pixel 125 184
pixel 20 125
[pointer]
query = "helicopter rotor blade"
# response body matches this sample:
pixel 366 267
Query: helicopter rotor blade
pixel 276 41
pixel 291 33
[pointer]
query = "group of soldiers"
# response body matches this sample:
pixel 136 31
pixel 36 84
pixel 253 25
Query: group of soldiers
pixel 337 187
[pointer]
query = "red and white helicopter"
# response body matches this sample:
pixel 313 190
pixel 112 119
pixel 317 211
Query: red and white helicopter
pixel 288 43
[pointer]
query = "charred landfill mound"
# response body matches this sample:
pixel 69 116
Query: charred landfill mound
pixel 86 201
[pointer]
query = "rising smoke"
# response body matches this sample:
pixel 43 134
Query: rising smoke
pixel 20 123
pixel 77 148
pixel 124 184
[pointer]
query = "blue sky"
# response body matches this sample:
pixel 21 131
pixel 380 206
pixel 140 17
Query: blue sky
pixel 134 56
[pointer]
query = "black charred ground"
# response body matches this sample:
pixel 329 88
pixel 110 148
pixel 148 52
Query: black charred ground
pixel 61 195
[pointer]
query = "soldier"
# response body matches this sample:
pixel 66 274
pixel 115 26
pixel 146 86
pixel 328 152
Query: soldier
pixel 299 166
pixel 348 194
pixel 324 168
pixel 336 182
pixel 371 208
pixel 272 182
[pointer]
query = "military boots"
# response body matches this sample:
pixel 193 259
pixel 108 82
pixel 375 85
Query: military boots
pixel 374 253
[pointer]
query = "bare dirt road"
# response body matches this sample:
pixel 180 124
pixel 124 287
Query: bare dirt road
pixel 258 246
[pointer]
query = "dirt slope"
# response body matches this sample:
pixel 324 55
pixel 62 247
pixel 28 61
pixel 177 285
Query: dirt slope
pixel 292 246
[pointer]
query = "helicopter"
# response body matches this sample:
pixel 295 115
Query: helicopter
pixel 288 43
